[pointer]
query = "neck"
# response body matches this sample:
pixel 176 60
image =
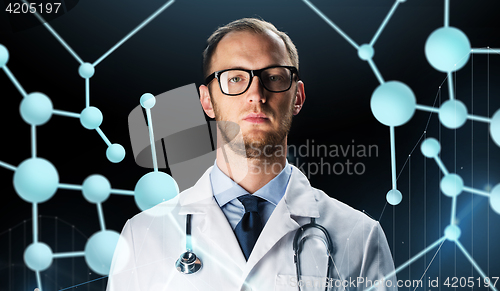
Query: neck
pixel 251 174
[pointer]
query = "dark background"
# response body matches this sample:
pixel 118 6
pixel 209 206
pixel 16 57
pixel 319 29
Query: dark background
pixel 166 54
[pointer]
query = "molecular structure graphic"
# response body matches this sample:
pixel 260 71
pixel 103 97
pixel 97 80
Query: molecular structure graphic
pixel 393 104
pixel 36 180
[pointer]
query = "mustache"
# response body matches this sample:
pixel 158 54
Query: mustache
pixel 266 110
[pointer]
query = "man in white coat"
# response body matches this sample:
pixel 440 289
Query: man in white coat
pixel 247 208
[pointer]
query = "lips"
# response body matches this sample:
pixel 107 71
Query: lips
pixel 256 118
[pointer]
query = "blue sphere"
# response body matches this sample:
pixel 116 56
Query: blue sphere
pixel 495 127
pixel 154 188
pixel 365 52
pixel 91 117
pixel 115 153
pixel 452 185
pixel 36 180
pixel 393 103
pixel 394 197
pixel 453 114
pixel 38 256
pixel 447 49
pixel 4 56
pixel 99 251
pixel 452 232
pixel 148 100
pixel 86 70
pixel 36 108
pixel 495 198
pixel 430 147
pixel 96 189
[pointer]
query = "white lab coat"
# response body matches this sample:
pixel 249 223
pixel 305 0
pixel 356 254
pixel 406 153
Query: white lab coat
pixel 152 241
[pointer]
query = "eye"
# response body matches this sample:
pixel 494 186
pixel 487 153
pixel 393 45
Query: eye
pixel 235 79
pixel 275 78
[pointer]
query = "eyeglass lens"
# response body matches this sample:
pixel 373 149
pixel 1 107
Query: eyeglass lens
pixel 273 79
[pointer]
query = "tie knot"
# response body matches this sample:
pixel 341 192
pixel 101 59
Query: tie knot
pixel 250 202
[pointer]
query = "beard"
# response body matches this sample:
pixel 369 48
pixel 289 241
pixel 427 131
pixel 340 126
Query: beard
pixel 265 146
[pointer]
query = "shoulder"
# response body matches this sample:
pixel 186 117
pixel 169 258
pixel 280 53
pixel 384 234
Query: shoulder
pixel 338 209
pixel 328 207
pixel 336 216
pixel 155 220
pixel 344 221
pixel 197 195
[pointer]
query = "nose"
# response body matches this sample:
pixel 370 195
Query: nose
pixel 256 92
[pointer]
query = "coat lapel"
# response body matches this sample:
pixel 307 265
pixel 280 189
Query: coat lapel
pixel 299 200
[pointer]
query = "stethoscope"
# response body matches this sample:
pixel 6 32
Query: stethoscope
pixel 298 244
pixel 189 263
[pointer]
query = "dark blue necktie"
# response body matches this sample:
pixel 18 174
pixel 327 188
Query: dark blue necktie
pixel 248 229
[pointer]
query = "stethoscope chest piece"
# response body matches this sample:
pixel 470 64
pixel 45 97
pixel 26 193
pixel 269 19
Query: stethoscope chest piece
pixel 188 263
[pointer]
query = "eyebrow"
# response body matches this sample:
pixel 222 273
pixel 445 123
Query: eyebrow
pixel 242 68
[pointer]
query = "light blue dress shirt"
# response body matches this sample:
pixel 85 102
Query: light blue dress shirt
pixel 226 192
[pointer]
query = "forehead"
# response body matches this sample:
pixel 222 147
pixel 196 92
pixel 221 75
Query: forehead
pixel 249 50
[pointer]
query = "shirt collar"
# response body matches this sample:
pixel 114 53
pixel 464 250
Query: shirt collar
pixel 225 189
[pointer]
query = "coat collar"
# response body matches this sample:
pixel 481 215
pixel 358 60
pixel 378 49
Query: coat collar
pixel 299 198
pixel 195 199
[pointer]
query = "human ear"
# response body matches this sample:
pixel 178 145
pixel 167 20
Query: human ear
pixel 300 98
pixel 205 101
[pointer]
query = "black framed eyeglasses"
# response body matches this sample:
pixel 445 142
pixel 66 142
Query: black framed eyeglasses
pixel 233 82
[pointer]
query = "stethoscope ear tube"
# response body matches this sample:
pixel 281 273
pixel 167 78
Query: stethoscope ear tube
pixel 297 243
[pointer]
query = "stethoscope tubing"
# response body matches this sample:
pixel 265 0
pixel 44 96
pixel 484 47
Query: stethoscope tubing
pixel 189 263
pixel 297 243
